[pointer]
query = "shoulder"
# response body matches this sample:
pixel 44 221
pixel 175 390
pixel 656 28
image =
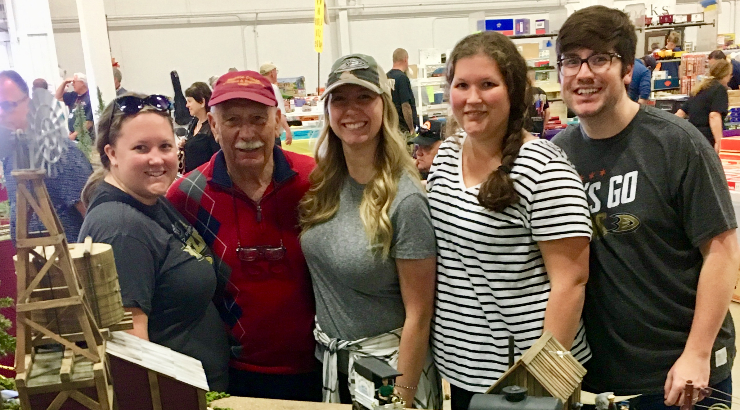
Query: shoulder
pixel 191 185
pixel 410 196
pixel 568 136
pixel 302 164
pixel 536 157
pixel 657 123
pixel 111 219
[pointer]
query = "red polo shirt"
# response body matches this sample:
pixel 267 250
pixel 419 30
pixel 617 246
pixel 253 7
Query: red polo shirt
pixel 267 305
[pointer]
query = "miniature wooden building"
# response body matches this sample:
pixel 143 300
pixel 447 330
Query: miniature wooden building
pixel 546 370
pixel 148 376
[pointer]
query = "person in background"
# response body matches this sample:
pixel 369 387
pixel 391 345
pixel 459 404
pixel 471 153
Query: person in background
pixel 117 77
pixel 664 255
pixel 65 187
pixel 717 55
pixel 40 83
pixel 368 240
pixel 80 96
pixel 244 203
pixel 403 96
pixel 200 145
pixel 709 104
pixel 270 71
pixel 427 144
pixel 640 87
pixel 164 268
pixel 539 111
pixel 511 221
pixel 672 43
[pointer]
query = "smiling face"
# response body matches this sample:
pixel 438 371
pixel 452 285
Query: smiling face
pixel 143 160
pixel 594 96
pixel 246 131
pixel 355 115
pixel 479 97
pixel 195 107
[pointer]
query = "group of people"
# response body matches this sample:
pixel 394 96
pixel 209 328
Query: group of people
pixel 277 270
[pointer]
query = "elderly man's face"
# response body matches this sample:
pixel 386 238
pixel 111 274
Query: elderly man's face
pixel 79 86
pixel 246 131
pixel 13 105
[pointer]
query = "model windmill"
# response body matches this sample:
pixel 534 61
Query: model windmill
pixel 52 306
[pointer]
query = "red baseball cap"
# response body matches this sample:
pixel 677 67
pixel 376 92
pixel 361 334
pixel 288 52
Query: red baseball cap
pixel 249 85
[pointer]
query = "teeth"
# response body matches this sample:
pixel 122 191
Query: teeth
pixel 249 145
pixel 588 91
pixel 355 125
pixel 155 174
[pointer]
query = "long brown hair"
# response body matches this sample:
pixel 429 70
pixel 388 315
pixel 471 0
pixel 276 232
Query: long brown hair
pixel 498 192
pixel 718 70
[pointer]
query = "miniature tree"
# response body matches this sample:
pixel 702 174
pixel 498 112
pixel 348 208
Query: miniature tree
pixel 83 135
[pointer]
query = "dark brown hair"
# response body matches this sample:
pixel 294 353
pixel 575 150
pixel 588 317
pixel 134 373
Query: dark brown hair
pixel 200 92
pixel 498 192
pixel 602 30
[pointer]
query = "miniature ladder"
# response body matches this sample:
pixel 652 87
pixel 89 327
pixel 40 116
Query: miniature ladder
pixel 92 370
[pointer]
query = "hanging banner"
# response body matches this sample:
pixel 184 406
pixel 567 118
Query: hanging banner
pixel 318 27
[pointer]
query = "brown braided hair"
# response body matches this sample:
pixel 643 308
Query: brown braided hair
pixel 498 192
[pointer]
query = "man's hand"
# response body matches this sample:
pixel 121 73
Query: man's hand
pixel 288 136
pixel 689 366
pixel 73 136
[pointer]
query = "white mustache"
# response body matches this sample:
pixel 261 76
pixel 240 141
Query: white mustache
pixel 249 145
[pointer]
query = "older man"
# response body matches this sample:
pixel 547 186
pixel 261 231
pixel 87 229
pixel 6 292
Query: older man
pixel 269 70
pixel 64 188
pixel 427 144
pixel 73 99
pixel 244 203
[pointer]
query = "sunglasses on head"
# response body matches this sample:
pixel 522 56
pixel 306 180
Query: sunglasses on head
pixel 130 105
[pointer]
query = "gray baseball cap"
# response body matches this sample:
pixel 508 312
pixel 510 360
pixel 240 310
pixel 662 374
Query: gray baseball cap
pixel 359 69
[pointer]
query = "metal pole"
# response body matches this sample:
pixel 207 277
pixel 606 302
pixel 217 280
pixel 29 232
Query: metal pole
pixel 318 72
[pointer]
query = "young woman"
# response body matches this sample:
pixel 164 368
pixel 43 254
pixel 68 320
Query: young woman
pixel 511 221
pixel 200 144
pixel 368 240
pixel 164 268
pixel 708 105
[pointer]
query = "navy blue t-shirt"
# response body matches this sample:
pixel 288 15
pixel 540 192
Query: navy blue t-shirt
pixel 72 100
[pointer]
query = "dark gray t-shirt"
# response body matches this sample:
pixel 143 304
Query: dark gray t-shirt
pixel 357 293
pixel 656 193
pixel 172 283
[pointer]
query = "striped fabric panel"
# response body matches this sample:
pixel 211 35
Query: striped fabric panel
pixel 492 281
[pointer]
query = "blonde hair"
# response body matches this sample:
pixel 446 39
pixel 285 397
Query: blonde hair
pixel 717 70
pixel 321 202
pixel 673 37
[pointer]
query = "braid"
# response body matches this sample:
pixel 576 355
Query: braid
pixel 498 192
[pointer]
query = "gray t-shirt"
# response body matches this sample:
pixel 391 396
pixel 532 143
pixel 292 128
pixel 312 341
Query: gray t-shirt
pixel 656 193
pixel 357 293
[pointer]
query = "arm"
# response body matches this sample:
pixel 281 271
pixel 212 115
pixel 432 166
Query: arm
pixel 681 113
pixel 59 94
pixel 288 132
pixel 141 323
pixel 715 124
pixel 644 87
pixel 408 115
pixel 417 280
pixel 546 117
pixel 716 283
pixel 566 261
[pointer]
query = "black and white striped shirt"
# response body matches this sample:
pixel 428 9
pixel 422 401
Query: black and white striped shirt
pixel 491 280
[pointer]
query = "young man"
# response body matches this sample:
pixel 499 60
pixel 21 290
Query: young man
pixel 664 255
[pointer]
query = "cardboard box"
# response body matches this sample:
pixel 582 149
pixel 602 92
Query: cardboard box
pixel 542 26
pixel 529 51
pixel 521 26
pixel 504 26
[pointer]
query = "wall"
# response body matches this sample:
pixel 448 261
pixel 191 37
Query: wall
pixel 202 38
